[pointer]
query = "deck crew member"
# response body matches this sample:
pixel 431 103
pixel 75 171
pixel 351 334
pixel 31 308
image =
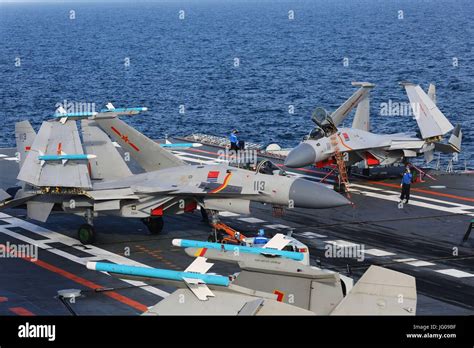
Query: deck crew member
pixel 405 185
pixel 260 239
pixel 234 141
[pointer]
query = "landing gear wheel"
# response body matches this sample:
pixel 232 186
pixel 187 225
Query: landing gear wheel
pixel 86 234
pixel 154 224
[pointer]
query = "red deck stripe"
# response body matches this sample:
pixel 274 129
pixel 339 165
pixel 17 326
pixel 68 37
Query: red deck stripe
pixel 21 311
pixel 3 299
pixel 128 301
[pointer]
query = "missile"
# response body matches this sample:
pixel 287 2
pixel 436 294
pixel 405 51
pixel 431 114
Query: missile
pixel 65 157
pixel 76 115
pixel 186 243
pixel 125 111
pixel 181 145
pixel 209 279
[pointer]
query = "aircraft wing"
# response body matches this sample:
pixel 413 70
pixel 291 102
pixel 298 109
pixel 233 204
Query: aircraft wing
pixel 55 138
pixel 198 286
pixel 406 144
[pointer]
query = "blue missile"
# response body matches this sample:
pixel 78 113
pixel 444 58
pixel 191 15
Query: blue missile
pixel 125 110
pixel 66 157
pixel 146 272
pixel 181 145
pixel 74 114
pixel 186 243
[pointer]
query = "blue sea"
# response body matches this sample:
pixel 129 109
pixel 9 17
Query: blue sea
pixel 47 57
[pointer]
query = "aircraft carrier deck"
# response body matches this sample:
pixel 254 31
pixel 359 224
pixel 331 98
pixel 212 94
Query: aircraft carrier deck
pixel 423 239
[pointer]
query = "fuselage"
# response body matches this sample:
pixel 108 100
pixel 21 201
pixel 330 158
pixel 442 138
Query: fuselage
pixel 347 140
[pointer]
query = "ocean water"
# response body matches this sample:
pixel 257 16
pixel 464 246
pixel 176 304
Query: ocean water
pixel 191 62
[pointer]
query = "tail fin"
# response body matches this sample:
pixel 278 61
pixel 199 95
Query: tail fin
pixel 53 138
pixel 430 119
pixel 432 92
pixel 149 155
pixel 362 115
pixel 109 164
pixel 341 113
pixel 25 136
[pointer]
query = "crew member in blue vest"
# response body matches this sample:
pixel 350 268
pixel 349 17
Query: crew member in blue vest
pixel 260 239
pixel 405 185
pixel 234 141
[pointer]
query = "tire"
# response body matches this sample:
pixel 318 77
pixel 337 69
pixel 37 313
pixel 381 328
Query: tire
pixel 86 234
pixel 155 225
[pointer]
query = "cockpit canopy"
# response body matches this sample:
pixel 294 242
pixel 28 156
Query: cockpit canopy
pixel 316 133
pixel 270 168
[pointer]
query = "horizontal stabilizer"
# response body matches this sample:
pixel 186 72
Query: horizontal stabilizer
pixel 4 195
pixel 380 291
pixel 430 119
pixel 456 138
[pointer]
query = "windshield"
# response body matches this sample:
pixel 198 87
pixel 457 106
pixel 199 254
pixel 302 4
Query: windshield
pixel 268 167
pixel 316 133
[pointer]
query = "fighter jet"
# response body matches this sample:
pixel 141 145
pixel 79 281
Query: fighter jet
pixel 270 282
pixel 90 178
pixel 358 144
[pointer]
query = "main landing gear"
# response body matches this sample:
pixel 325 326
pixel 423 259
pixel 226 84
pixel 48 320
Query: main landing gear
pixel 86 232
pixel 154 224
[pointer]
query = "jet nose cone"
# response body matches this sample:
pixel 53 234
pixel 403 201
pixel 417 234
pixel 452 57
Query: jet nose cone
pixel 301 156
pixel 308 194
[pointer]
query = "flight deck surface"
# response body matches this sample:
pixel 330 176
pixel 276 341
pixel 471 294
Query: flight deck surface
pixel 423 239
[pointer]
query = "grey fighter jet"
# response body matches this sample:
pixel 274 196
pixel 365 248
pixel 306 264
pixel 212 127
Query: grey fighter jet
pixel 358 144
pixel 90 178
